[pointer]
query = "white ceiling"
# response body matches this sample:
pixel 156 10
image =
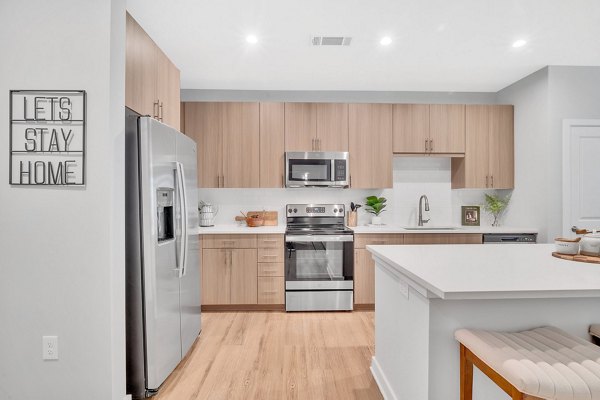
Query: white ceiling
pixel 438 45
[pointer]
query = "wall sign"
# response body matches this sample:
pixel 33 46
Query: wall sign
pixel 47 137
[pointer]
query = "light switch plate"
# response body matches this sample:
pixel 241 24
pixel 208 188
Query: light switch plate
pixel 50 347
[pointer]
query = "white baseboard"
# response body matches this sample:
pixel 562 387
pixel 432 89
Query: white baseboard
pixel 127 397
pixel 381 380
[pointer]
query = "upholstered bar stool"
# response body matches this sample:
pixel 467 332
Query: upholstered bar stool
pixel 542 363
pixel 595 332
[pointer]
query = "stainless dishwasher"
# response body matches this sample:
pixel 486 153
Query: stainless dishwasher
pixel 509 238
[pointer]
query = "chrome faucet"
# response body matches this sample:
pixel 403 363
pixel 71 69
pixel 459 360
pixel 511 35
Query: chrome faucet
pixel 421 220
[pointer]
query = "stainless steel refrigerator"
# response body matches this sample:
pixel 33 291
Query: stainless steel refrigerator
pixel 162 251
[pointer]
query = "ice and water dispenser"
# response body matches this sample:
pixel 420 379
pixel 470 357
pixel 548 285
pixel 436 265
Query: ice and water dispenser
pixel 164 209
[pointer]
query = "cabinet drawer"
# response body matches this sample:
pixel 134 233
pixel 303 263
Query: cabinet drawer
pixel 270 269
pixel 270 255
pixel 270 241
pixel 271 290
pixel 229 242
pixel 360 241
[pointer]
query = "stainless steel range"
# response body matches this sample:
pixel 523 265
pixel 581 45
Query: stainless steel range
pixel 319 259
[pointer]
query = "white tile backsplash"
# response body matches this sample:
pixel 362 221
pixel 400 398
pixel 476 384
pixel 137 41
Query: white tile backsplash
pixel 413 176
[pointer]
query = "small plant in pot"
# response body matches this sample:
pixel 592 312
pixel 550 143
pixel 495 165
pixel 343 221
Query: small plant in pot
pixel 375 205
pixel 496 205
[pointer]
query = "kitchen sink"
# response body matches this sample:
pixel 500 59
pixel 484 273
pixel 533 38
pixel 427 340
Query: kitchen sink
pixel 431 228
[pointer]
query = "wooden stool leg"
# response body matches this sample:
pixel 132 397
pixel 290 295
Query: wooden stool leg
pixel 466 375
pixel 517 395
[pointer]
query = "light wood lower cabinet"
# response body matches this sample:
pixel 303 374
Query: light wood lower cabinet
pixel 242 272
pixel 216 276
pixel 364 277
pixel 229 276
pixel 271 290
pixel 364 266
pixel 443 238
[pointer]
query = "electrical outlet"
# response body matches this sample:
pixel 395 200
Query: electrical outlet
pixel 50 347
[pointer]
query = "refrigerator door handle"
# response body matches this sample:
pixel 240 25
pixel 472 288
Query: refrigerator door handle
pixel 183 210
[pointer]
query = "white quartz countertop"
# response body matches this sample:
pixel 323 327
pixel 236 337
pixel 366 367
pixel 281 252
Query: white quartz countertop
pixel 232 229
pixel 228 229
pixel 459 229
pixel 490 271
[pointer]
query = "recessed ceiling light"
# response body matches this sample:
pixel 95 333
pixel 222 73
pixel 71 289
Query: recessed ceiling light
pixel 519 43
pixel 385 41
pixel 251 39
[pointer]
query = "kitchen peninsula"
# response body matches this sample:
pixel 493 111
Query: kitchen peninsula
pixel 425 293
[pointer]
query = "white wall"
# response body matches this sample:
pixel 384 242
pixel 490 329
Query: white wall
pixel 529 200
pixel 62 250
pixel 542 100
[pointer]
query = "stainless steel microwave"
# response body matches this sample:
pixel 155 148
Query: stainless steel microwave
pixel 317 168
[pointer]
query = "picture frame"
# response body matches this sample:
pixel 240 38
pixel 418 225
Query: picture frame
pixel 471 215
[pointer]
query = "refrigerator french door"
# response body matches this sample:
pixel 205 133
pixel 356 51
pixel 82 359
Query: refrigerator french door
pixel 163 266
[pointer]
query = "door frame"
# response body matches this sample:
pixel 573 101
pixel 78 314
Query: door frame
pixel 568 125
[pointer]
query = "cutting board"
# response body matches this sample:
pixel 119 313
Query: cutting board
pixel 271 217
pixel 579 258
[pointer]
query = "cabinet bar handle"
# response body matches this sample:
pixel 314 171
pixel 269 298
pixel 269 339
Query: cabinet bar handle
pixel 155 110
pixel 492 180
pixel 487 181
pixel 430 144
pixel 270 292
pixel 426 143
pixel 269 255
pixel 270 241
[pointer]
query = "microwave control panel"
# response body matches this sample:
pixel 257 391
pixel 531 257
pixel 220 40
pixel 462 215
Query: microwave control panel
pixel 340 170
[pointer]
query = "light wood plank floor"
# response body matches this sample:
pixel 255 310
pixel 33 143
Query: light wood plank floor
pixel 275 355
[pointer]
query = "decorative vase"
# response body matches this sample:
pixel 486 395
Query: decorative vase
pixel 352 218
pixel 376 220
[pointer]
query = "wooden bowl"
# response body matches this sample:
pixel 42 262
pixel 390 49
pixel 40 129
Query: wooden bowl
pixel 254 222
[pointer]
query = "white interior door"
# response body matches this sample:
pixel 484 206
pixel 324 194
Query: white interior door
pixel 581 174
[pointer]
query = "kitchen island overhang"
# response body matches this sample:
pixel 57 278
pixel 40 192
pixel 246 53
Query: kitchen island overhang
pixel 424 293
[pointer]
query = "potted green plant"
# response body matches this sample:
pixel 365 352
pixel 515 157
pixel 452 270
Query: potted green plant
pixel 375 205
pixel 496 205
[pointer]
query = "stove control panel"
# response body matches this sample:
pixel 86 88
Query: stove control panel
pixel 315 210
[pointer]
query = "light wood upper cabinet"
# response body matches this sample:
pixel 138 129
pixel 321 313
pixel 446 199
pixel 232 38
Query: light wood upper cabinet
pixel 429 129
pixel 240 145
pixel 489 155
pixel 447 128
pixel 168 91
pixel 204 124
pixel 140 70
pixel 300 126
pixel 332 127
pixel 152 81
pixel 502 147
pixel 272 145
pixel 370 145
pixel 227 135
pixel 411 128
pixel 316 127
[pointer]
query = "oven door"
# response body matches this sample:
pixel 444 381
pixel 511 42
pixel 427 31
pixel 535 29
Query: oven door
pixel 319 262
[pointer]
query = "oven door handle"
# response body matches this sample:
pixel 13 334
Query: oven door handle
pixel 318 238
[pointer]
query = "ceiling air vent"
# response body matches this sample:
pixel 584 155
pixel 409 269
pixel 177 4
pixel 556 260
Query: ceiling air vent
pixel 331 40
